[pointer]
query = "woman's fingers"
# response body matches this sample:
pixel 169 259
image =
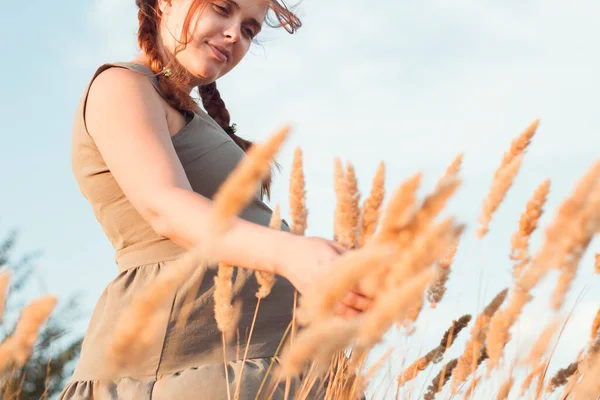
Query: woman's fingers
pixel 357 301
pixel 345 312
pixel 352 305
pixel 341 249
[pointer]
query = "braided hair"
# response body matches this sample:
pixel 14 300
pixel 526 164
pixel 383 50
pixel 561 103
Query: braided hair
pixel 174 87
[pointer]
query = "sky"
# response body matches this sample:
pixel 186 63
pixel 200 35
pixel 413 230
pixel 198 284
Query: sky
pixel 410 83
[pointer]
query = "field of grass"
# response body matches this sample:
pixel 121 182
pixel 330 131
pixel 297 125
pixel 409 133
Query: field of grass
pixel 402 254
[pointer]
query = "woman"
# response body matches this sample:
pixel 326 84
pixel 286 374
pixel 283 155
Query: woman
pixel 149 160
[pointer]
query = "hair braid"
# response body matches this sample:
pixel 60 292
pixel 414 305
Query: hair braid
pixel 172 89
pixel 215 107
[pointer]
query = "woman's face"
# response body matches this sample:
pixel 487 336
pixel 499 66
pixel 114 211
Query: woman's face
pixel 219 35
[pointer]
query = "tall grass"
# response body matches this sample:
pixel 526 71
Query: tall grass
pixel 401 255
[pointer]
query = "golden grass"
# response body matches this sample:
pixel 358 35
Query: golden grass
pixel 401 255
pixel 527 225
pixel 17 348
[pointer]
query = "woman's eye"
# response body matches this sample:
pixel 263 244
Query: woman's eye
pixel 221 9
pixel 249 32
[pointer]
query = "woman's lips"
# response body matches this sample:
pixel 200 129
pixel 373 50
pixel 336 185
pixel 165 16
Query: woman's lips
pixel 218 53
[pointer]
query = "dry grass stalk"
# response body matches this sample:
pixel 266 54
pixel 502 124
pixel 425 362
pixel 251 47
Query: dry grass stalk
pixel 527 224
pixel 474 382
pixel 536 372
pixel 343 229
pixel 413 370
pixel 361 383
pixel 430 208
pixel 570 208
pixel 473 348
pixel 504 176
pixel 555 247
pixel 399 209
pixel 355 195
pixel 552 251
pixel 574 371
pixel 226 314
pixel 589 387
pixel 428 247
pixel 584 227
pixel 319 342
pixel 520 144
pixel 437 290
pixel 531 276
pixel 141 316
pixel 17 348
pixel 501 323
pixel 505 388
pixel 571 383
pixel 345 273
pixel 390 307
pixel 412 314
pixel 266 280
pixel 541 345
pixel 370 211
pixel 500 186
pixel 595 331
pixel 440 379
pixel 4 284
pixel 240 186
pixel 436 354
pixel 298 210
pixel 452 170
pixel 419 245
pixel 561 377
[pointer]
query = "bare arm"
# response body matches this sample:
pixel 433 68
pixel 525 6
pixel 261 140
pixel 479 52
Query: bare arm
pixel 127 120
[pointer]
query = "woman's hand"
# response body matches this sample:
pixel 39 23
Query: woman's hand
pixel 305 261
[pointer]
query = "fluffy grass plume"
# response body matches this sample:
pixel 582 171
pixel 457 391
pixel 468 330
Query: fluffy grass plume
pixel 527 225
pixel 505 388
pixel 452 170
pixel 344 232
pixel 266 280
pixel 355 195
pixel 504 176
pixel 466 364
pixel 226 314
pixel 370 211
pixel 540 347
pixel 399 209
pixel 435 355
pixel 584 227
pixel 18 347
pixel 297 195
pixel 437 290
pixel 4 284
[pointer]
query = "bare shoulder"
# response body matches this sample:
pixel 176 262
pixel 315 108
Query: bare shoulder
pixel 118 95
pixel 126 119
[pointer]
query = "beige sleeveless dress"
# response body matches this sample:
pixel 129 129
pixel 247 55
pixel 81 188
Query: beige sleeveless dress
pixel 184 361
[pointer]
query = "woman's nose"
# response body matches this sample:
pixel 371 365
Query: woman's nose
pixel 233 33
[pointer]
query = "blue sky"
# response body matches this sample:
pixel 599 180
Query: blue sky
pixel 410 83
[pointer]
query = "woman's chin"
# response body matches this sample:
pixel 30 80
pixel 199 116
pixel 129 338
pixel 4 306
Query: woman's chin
pixel 205 76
